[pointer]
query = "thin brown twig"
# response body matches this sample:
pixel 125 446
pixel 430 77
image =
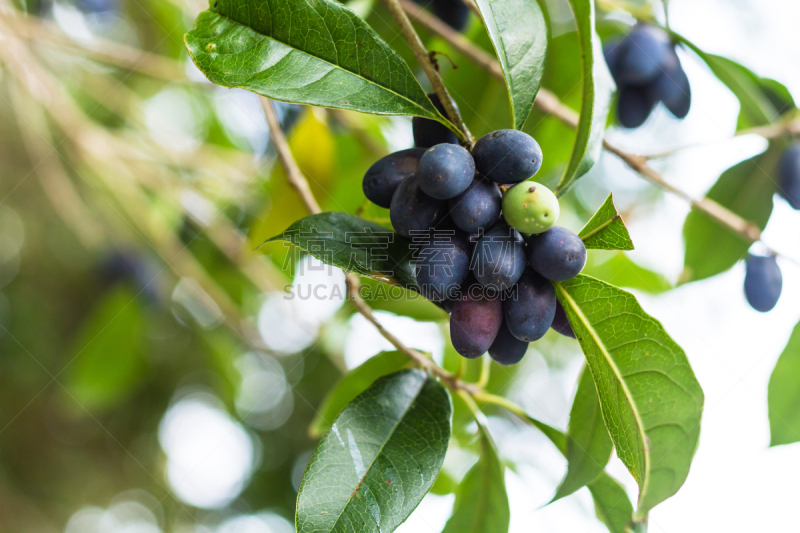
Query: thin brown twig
pixel 424 59
pixel 294 175
pixel 472 7
pixel 456 39
pixel 53 177
pixel 35 30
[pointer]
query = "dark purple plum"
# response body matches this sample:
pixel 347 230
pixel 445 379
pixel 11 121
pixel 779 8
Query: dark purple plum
pixel 428 132
pixel 790 175
pixel 558 254
pixel 506 348
pixel 561 322
pixel 672 86
pixel 132 268
pixel 383 178
pixel 498 259
pixel 474 323
pixel 507 156
pixel 612 52
pixel 443 265
pixel 634 105
pixel 529 308
pixel 454 13
pixel 98 7
pixel 763 282
pixel 645 49
pixel 478 208
pixel 445 171
pixel 413 211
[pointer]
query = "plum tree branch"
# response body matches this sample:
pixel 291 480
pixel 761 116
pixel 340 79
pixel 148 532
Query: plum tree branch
pixel 549 103
pixel 424 59
pixel 294 175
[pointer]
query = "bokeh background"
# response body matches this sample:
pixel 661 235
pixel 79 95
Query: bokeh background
pixel 154 377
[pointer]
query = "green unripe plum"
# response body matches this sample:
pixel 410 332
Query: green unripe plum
pixel 530 207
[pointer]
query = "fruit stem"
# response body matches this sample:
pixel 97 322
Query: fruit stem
pixel 486 366
pixel 480 417
pixel 486 397
pixel 424 59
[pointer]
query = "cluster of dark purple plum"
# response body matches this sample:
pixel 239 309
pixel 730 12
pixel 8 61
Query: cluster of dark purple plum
pixel 647 70
pixel 485 245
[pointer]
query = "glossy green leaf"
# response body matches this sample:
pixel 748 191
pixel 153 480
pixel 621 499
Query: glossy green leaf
pixel 621 271
pixel 783 394
pixel 588 444
pixel 611 502
pixel 519 35
pixel 379 459
pixel 108 352
pixel 746 189
pixel 612 505
pixel 762 100
pixel 353 244
pixel 308 52
pixel 597 88
pixel 481 500
pixel 649 396
pixel 606 230
pixel 351 385
pixel 562 77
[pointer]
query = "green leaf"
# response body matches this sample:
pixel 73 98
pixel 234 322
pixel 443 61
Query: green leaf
pixel 620 270
pixel 519 35
pixel 753 93
pixel 444 484
pixel 379 459
pixel 308 52
pixel 783 394
pixel 746 189
pixel 353 244
pixel 778 95
pixel 108 352
pixel 588 444
pixel 606 230
pixel 481 500
pixel 649 396
pixel 598 86
pixel 562 77
pixel 351 386
pixel 611 502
